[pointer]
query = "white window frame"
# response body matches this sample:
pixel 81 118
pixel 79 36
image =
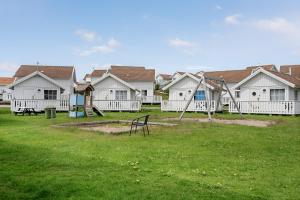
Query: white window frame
pixel 50 94
pixel 121 95
pixel 277 94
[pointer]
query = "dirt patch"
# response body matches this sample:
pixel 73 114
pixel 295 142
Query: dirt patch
pixel 112 127
pixel 244 122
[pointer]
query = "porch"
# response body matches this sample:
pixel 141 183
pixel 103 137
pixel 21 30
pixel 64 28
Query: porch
pixel 39 104
pixel 195 106
pixel 151 99
pixel 113 105
pixel 266 107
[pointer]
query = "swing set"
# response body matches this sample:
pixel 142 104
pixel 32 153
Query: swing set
pixel 220 81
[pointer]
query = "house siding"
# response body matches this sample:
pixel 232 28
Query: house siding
pixel 149 86
pixel 29 88
pixel 103 89
pixel 262 84
pixel 184 86
pixel 68 85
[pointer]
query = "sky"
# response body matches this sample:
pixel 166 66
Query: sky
pixel 168 35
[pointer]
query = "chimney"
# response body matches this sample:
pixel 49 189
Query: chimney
pixel 290 71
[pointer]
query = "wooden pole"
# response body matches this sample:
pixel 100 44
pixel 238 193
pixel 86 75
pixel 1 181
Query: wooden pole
pixel 207 98
pixel 191 97
pixel 235 104
pixel 219 97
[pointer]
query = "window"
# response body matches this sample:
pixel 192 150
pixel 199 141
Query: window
pixel 144 92
pixel 200 95
pixel 121 95
pixel 254 94
pixel 180 94
pixel 237 94
pixel 277 94
pixel 50 94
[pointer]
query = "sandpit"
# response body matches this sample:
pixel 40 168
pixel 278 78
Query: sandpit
pixel 111 127
pixel 244 122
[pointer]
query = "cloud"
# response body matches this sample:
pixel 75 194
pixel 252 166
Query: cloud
pixel 95 45
pixel 110 46
pixel 218 7
pixel 233 19
pixel 185 46
pixel 277 25
pixel 181 43
pixel 87 35
pixel 288 31
pixel 8 67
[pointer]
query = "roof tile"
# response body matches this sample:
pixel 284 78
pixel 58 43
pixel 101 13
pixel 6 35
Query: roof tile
pixel 54 72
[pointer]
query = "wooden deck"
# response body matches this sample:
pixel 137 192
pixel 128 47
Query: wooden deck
pixel 267 107
pixel 196 106
pixel 113 105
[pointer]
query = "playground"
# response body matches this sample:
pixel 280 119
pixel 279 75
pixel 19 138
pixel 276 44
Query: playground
pixel 191 160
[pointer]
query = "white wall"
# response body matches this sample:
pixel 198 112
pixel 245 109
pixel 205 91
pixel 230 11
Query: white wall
pixel 105 90
pixel 184 86
pixel 68 85
pixel 149 86
pixel 261 84
pixel 29 88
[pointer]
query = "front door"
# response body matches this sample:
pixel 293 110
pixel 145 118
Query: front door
pixel 200 95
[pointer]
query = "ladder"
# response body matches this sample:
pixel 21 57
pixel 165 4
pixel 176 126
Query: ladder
pixel 89 112
pixel 98 111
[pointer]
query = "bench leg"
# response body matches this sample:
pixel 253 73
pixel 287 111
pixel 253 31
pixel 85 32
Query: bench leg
pixel 135 129
pixel 130 130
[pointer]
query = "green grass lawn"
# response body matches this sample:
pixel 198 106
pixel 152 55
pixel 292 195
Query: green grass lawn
pixel 189 161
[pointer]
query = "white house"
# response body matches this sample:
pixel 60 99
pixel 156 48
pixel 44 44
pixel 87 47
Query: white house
pixel 5 93
pixel 268 92
pixel 163 79
pixel 181 89
pixel 141 78
pixel 39 87
pixel 64 75
pixel 38 91
pixel 177 75
pixel 87 78
pixel 232 77
pixel 113 94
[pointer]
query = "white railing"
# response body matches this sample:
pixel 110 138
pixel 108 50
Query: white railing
pixel 39 104
pixel 150 99
pixel 177 105
pixel 266 107
pixel 112 105
pixel 225 100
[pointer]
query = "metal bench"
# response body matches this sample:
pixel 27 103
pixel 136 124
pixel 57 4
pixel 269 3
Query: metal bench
pixel 140 122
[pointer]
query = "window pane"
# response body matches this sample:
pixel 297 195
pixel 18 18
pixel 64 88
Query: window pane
pixel 277 94
pixel 50 94
pixel 121 95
